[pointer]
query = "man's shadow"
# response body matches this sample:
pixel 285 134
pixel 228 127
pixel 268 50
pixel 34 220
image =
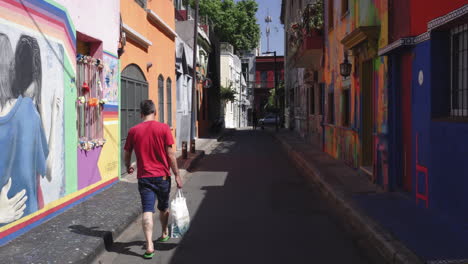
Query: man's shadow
pixel 118 247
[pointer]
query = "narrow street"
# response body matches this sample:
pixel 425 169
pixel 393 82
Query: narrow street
pixel 248 204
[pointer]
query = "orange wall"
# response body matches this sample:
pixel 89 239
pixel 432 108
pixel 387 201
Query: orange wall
pixel 161 53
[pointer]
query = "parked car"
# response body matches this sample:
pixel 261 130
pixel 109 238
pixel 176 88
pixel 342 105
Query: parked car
pixel 269 119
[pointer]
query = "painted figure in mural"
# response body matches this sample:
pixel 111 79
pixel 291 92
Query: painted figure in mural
pixel 13 208
pixel 26 149
pixel 28 83
pixel 152 142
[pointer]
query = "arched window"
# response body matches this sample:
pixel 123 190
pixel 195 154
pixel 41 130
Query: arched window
pixel 161 98
pixel 169 101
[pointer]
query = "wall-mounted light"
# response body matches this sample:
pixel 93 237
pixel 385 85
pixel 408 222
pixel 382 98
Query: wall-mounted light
pixel 149 65
pixel 345 66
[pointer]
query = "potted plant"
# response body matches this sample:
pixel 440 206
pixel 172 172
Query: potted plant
pixel 312 18
pixel 295 34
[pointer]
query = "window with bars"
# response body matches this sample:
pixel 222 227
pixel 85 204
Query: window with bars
pixel 459 72
pixel 321 97
pixel 330 13
pixel 344 7
pixel 169 101
pixel 264 78
pixel 161 98
pixel 312 100
pixel 346 107
pixel 331 108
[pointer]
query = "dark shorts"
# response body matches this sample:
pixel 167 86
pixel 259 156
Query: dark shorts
pixel 153 188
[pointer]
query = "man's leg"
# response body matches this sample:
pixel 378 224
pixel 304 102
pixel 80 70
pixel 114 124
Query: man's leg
pixel 164 189
pixel 164 217
pixel 148 230
pixel 148 199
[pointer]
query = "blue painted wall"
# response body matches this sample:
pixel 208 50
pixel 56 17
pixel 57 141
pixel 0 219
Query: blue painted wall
pixel 443 145
pixel 421 110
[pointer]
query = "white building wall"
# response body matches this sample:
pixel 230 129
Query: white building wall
pixel 231 68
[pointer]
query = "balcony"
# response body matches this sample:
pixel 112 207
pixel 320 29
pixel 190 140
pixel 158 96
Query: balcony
pixel 308 54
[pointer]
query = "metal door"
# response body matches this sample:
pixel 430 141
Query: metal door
pixel 183 116
pixel 134 89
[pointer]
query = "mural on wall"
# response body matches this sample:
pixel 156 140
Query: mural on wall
pixel 108 163
pixel 345 142
pixel 111 79
pixel 31 122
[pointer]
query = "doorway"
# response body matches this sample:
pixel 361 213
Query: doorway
pixel 367 144
pixel 134 89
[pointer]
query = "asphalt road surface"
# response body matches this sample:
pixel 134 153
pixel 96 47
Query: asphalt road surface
pixel 248 204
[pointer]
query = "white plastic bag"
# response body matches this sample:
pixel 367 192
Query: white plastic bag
pixel 180 215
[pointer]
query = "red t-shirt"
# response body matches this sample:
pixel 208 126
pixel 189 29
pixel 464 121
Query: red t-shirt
pixel 149 140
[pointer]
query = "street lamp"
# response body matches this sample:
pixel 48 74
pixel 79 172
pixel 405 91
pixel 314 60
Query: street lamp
pixel 345 66
pixel 276 92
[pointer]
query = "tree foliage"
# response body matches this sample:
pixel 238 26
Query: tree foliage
pixel 227 94
pixel 234 22
pixel 270 106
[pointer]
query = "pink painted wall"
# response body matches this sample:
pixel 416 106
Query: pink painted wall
pixel 91 16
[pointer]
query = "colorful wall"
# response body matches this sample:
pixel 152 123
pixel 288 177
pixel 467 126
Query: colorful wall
pixel 344 142
pixel 437 154
pixel 40 163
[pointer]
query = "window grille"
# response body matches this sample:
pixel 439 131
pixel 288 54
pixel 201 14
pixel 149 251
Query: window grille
pixel 169 101
pixel 346 107
pixel 331 108
pixel 90 102
pixel 312 100
pixel 161 98
pixel 459 72
pixel 344 6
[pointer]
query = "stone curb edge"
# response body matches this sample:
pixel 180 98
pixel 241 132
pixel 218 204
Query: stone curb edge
pixel 374 236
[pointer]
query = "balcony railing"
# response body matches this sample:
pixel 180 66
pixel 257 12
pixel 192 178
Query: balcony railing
pixel 189 14
pixel 308 53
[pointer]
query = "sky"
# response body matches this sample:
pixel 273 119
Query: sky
pixel 277 30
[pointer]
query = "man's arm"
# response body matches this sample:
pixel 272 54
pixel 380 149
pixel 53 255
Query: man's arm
pixel 173 163
pixel 127 158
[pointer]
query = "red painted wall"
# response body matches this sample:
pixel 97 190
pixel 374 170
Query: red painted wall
pixel 267 64
pixel 400 20
pixel 424 11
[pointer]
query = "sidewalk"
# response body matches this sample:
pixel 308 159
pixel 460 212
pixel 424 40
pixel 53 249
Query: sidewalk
pixel 81 233
pixel 389 223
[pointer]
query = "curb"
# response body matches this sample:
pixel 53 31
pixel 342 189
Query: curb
pixel 371 235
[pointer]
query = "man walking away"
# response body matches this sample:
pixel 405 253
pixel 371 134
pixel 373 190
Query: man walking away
pixel 152 142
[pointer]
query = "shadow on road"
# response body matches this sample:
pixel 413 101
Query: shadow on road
pixel 250 205
pixel 124 248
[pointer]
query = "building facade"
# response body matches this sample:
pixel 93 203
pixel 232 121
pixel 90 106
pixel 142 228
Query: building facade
pixel 59 97
pixel 428 102
pixel 146 73
pixel 265 81
pixel 356 106
pixel 184 71
pixel 235 112
pixel 304 71
pixel 202 122
pixel 249 73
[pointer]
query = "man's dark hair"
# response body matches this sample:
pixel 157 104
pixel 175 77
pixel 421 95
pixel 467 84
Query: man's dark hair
pixel 147 107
